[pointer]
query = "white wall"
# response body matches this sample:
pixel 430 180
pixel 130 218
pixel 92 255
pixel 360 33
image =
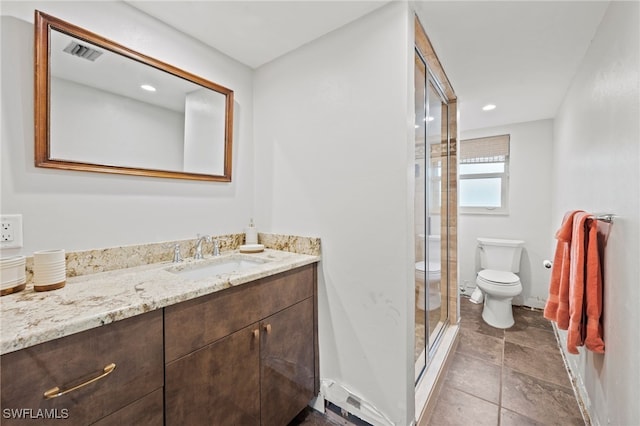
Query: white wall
pixel 77 210
pixel 596 168
pixel 82 128
pixel 531 147
pixel 204 132
pixel 334 156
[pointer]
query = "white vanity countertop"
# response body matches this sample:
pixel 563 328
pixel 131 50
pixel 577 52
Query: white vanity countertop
pixel 29 318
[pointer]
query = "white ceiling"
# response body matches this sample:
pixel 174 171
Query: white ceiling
pixel 519 55
pixel 256 32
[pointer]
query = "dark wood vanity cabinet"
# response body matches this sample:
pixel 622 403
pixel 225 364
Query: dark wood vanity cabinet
pixel 246 355
pixel 132 391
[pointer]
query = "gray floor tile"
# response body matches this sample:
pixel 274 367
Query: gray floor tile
pixel 481 346
pixel 531 318
pixel 455 408
pixel 532 337
pixel 539 400
pixel 475 376
pixel 509 418
pixel 542 364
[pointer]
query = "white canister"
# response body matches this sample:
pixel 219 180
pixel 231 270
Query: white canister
pixel 49 270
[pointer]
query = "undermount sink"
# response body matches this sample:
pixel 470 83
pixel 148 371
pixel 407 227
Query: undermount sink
pixel 216 267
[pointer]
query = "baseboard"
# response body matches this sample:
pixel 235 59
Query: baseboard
pixel 342 417
pixel 351 405
pixel 579 391
pixel 534 302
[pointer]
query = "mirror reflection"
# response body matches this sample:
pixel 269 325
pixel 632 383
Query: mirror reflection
pixel 114 110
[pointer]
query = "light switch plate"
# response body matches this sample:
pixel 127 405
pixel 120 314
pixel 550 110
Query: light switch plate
pixel 11 231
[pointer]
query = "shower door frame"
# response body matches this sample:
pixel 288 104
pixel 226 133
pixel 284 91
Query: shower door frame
pixel 448 228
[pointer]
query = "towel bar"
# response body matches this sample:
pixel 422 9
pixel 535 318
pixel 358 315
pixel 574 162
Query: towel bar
pixel 604 217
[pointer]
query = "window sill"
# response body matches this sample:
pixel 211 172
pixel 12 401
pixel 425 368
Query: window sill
pixel 484 212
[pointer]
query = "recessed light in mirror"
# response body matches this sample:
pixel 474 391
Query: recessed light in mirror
pixel 148 88
pixel 488 107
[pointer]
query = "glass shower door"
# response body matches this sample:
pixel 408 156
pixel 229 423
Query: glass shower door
pixel 431 172
pixel 420 209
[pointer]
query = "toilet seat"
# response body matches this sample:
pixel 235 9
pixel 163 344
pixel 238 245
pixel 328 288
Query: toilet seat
pixel 434 268
pixel 499 283
pixel 491 276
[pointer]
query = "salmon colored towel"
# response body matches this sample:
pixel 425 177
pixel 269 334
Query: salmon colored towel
pixel 577 283
pixel 575 290
pixel 557 306
pixel 593 288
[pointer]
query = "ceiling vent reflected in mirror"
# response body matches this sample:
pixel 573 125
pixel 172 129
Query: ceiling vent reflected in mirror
pixel 77 49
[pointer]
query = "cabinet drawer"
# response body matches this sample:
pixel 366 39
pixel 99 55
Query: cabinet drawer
pixel 134 345
pixel 148 411
pixel 196 323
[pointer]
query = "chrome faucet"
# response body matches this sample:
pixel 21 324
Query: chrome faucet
pixel 206 238
pixel 216 247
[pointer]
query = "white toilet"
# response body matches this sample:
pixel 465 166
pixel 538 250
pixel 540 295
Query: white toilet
pixel 432 273
pixel 499 261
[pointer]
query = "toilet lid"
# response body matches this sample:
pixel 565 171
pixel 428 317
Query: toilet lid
pixel 433 266
pixel 500 277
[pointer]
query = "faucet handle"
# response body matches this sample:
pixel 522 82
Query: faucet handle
pixel 177 257
pixel 216 247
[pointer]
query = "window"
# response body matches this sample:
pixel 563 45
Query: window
pixel 484 175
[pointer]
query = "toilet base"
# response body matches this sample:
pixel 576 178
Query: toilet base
pixel 434 297
pixel 497 312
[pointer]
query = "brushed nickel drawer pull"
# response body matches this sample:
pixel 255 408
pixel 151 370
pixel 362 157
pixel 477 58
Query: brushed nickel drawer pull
pixel 256 333
pixel 56 392
pixel 267 328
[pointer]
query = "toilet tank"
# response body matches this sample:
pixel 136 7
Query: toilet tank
pixel 501 255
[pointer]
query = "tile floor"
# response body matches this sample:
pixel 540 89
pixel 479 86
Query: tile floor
pixel 506 377
pixel 513 377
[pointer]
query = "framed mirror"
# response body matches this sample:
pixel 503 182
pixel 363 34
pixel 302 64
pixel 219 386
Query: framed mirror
pixel 102 107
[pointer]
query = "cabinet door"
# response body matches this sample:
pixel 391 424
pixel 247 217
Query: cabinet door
pixel 288 369
pixel 133 346
pixel 217 384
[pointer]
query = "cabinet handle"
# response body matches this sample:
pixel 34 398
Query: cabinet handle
pixel 256 333
pixel 56 392
pixel 267 328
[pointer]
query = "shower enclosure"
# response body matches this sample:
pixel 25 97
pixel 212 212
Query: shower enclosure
pixel 433 138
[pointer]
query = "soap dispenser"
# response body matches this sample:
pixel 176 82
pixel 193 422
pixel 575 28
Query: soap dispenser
pixel 250 234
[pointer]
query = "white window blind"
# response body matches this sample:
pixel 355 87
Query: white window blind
pixel 484 175
pixel 493 149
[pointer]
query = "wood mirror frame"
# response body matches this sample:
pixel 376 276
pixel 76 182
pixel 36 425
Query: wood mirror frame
pixel 43 25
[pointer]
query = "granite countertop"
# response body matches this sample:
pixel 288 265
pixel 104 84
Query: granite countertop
pixel 29 318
